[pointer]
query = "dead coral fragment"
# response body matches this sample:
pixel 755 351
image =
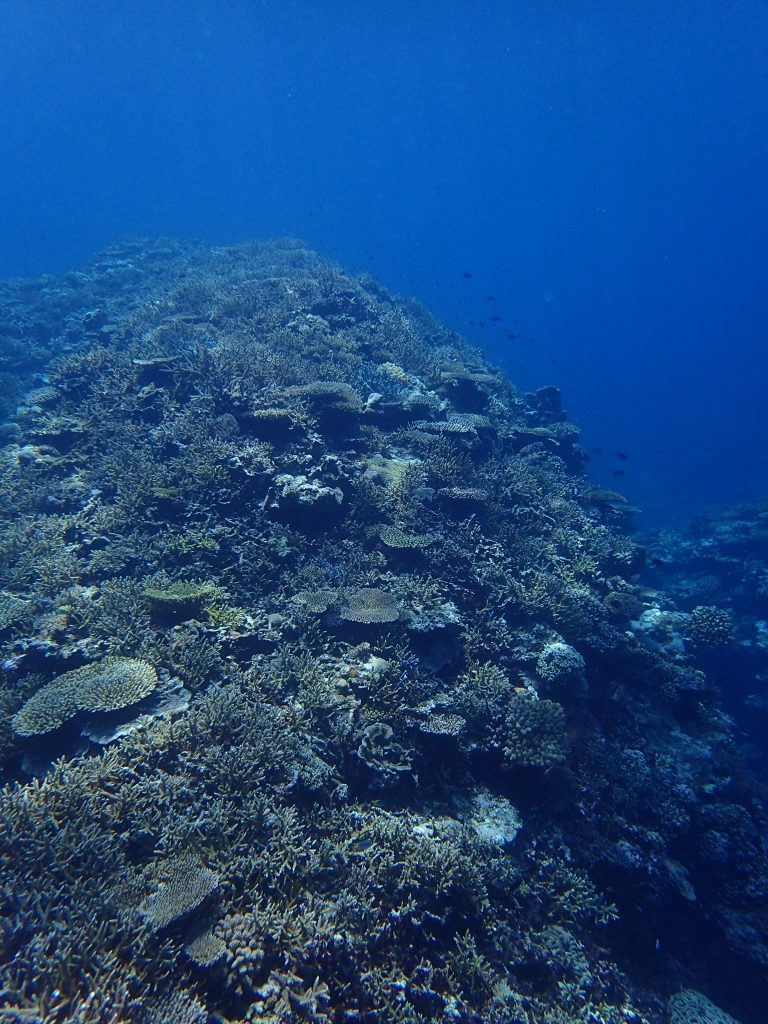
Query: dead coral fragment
pixel 106 685
pixel 368 605
pixel 184 884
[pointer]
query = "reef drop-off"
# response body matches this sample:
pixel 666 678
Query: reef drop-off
pixel 328 688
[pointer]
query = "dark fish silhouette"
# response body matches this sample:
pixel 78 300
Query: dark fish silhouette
pixel 618 472
pixel 490 298
pixel 511 337
pixel 622 455
pixel 467 273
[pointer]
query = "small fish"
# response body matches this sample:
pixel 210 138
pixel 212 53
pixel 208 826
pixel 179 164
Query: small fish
pixel 490 298
pixel 511 337
pixel 622 455
pixel 495 319
pixel 467 274
pixel 555 361
pixel 618 472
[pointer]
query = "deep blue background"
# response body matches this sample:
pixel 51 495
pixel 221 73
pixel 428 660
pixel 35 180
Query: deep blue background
pixel 598 167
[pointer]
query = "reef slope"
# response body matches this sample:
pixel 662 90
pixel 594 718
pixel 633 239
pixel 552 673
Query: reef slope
pixel 325 690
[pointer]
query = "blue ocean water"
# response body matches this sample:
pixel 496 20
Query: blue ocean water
pixel 598 168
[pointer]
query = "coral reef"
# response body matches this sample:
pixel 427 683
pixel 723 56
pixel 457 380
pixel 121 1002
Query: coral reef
pixel 410 740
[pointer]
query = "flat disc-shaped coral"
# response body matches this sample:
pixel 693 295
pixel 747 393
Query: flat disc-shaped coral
pixel 116 683
pixel 48 709
pixel 106 685
pixel 369 605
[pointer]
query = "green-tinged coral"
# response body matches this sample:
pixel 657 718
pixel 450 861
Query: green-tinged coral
pixel 464 495
pixel 443 725
pixel 107 685
pixel 181 599
pixel 317 601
